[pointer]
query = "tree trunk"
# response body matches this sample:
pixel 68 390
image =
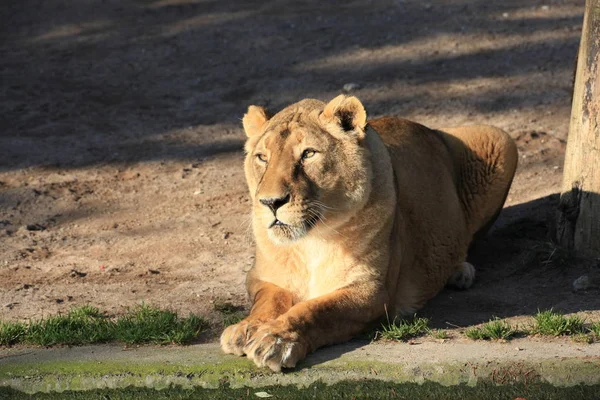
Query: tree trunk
pixel 579 208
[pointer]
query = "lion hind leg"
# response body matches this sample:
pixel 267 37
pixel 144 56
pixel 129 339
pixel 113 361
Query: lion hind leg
pixel 486 160
pixel 464 276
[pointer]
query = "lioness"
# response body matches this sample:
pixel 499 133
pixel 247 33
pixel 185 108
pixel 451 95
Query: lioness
pixel 355 218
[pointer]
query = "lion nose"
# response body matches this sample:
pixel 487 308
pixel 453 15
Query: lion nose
pixel 274 203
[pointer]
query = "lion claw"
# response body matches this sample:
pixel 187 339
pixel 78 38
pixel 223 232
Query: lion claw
pixel 275 350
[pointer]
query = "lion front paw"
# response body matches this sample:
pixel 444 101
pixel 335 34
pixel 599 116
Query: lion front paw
pixel 234 337
pixel 276 348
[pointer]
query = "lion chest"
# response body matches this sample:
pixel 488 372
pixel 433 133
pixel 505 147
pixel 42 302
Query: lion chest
pixel 310 269
pixel 326 268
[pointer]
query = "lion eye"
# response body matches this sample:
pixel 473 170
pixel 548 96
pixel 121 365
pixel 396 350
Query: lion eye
pixel 261 158
pixel 308 153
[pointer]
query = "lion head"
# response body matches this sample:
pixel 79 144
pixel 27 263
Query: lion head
pixel 307 167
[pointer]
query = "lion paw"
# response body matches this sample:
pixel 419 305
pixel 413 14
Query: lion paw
pixel 234 337
pixel 275 348
pixel 464 277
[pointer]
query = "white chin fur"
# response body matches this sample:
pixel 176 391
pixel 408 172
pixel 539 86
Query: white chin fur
pixel 286 235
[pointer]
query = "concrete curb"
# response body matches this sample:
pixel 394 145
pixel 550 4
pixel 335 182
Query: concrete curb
pixel 450 363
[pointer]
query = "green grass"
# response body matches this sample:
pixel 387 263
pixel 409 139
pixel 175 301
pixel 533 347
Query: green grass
pixel 495 329
pixel 146 324
pixel 80 326
pixel 11 333
pixel 403 329
pixel 86 325
pixel 554 324
pixel 583 338
pixel 549 323
pixel 359 389
pixel 438 333
pixel 595 329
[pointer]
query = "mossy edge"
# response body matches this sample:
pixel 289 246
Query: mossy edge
pixel 240 372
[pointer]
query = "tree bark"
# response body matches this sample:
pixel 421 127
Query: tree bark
pixel 578 225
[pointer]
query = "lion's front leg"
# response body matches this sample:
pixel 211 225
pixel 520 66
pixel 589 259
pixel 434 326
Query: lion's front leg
pixel 270 301
pixel 329 319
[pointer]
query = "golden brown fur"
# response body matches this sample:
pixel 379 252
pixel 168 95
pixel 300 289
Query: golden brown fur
pixel 352 219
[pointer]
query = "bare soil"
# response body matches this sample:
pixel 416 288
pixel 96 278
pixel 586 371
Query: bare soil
pixel 121 145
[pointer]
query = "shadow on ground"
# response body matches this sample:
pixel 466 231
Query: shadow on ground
pixel 116 81
pixel 519 271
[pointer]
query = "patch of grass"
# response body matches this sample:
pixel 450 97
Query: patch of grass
pixel 554 324
pixel 438 333
pixel 495 329
pixel 232 319
pixel 595 328
pixel 11 333
pixel 583 338
pixel 549 254
pixel 232 314
pixel 86 325
pixel 145 324
pixel 403 329
pixel 474 333
pixel 80 326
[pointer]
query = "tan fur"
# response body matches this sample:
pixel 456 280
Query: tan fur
pixel 378 218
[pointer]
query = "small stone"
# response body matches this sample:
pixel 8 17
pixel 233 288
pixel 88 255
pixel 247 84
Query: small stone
pixel 350 87
pixel 78 274
pixel 582 283
pixel 263 394
pixel 185 172
pixel 154 271
pixel 545 8
pixel 226 235
pixel 35 227
pixel 505 15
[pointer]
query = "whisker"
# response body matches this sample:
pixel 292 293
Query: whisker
pixel 321 205
pixel 317 213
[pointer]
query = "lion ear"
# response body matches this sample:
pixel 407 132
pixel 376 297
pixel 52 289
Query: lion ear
pixel 254 120
pixel 348 113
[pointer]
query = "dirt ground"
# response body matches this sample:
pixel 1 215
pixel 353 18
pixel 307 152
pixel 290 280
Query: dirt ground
pixel 120 138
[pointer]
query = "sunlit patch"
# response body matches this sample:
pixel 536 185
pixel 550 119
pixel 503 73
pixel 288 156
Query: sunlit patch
pixel 73 31
pixel 202 20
